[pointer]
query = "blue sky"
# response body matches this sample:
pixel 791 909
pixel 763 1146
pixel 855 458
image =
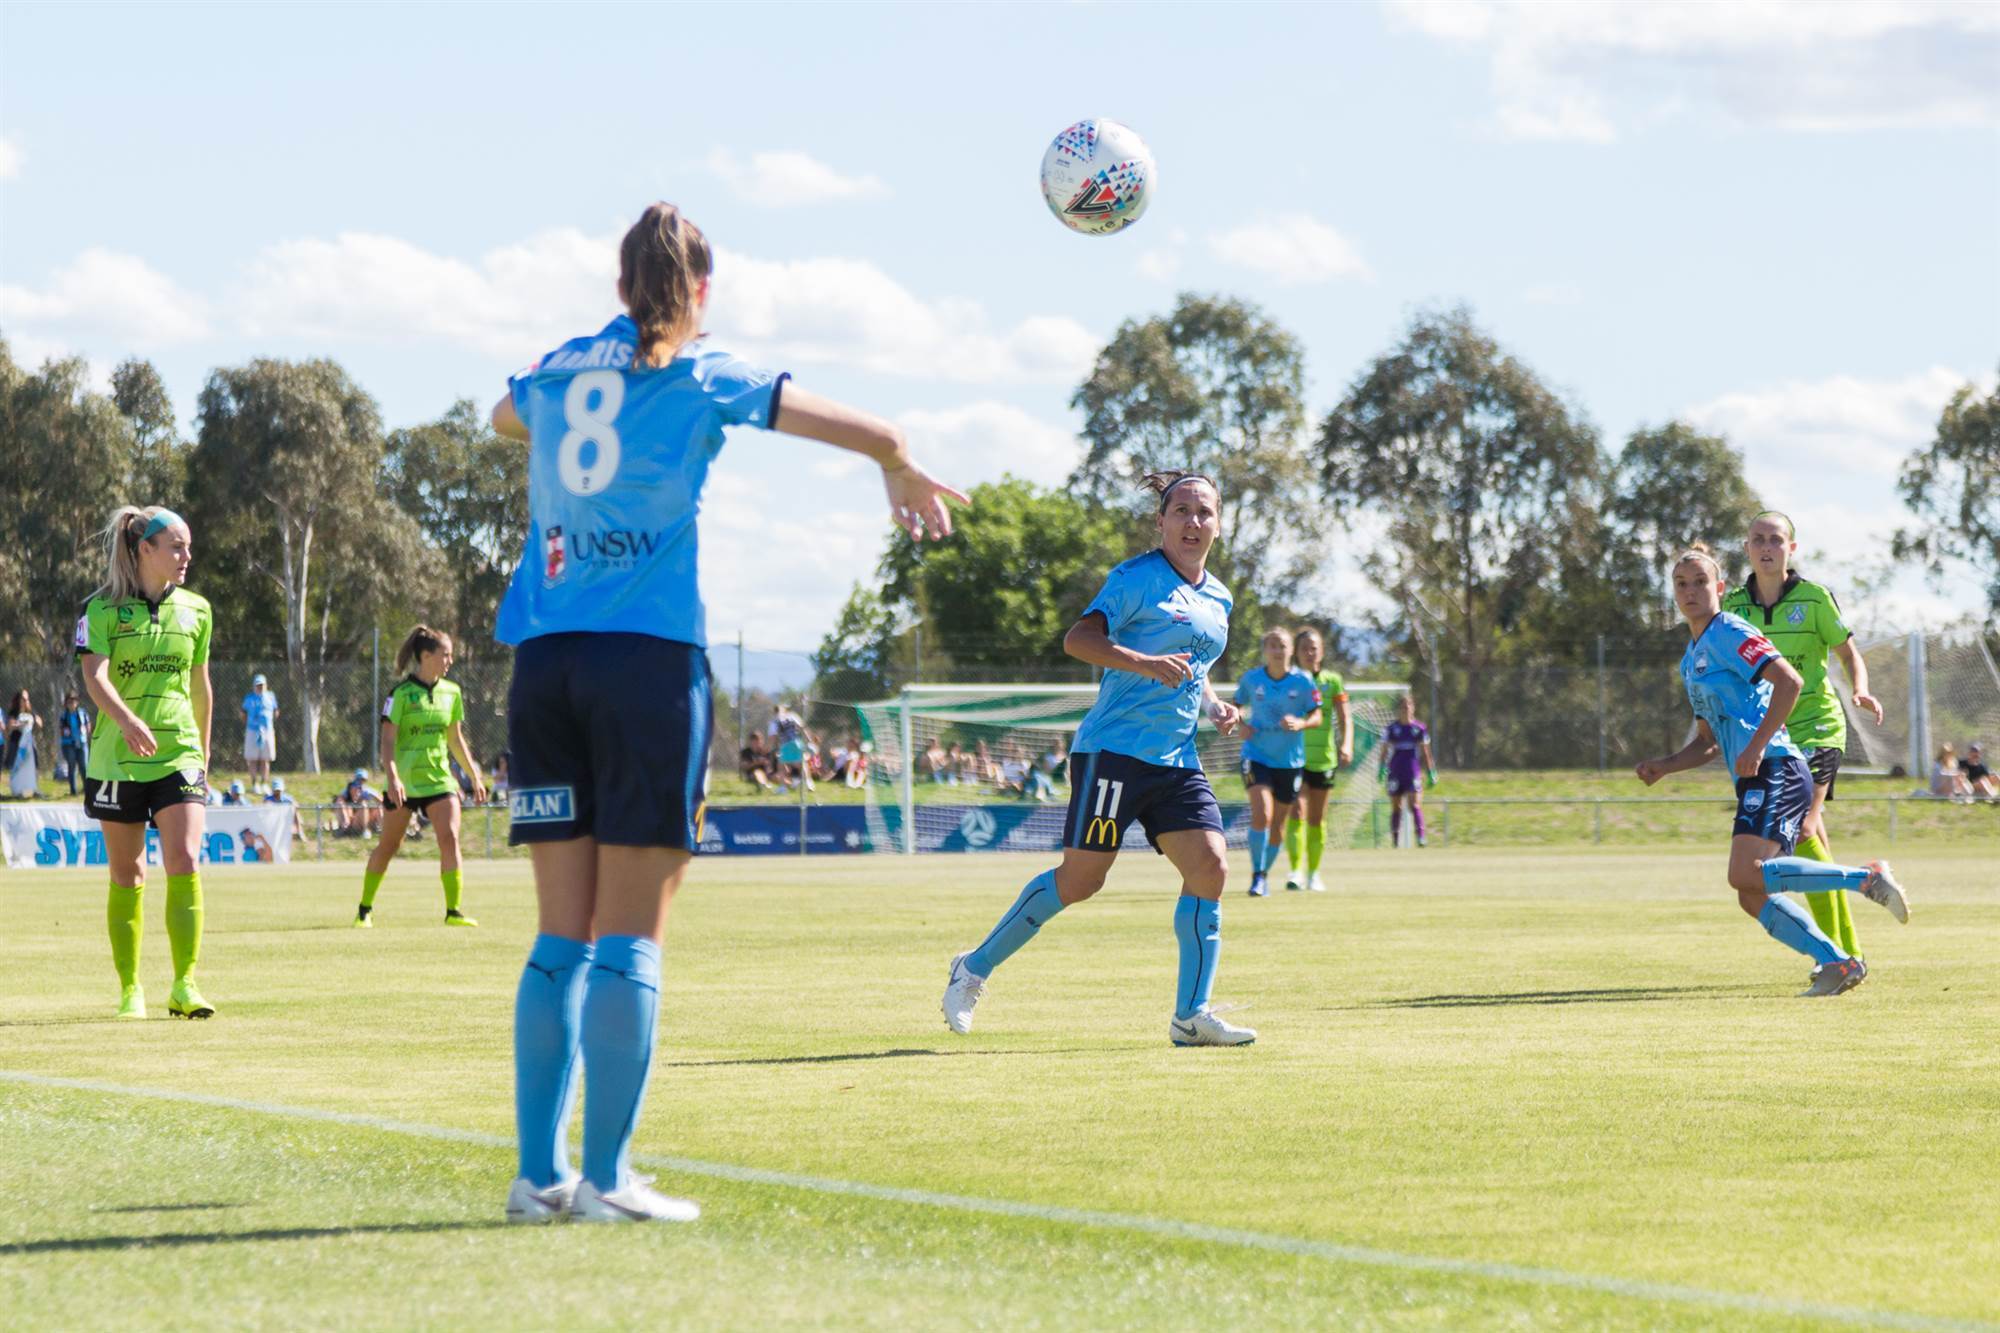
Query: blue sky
pixel 1779 221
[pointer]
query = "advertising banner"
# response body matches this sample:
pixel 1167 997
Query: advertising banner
pixel 773 830
pixel 47 836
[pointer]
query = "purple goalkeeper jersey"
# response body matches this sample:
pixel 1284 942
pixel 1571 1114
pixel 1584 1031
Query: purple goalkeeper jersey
pixel 1406 747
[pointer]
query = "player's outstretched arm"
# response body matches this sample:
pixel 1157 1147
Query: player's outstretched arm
pixel 916 499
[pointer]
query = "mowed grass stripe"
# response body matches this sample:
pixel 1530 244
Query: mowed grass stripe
pixel 1164 1228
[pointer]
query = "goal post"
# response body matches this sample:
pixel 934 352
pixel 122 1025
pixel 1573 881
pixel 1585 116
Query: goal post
pixel 997 742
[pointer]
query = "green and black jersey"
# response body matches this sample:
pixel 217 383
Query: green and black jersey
pixel 1323 741
pixel 153 648
pixel 423 716
pixel 1804 624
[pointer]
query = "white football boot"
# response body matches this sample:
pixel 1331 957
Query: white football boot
pixel 525 1203
pixel 1882 888
pixel 1295 881
pixel 637 1202
pixel 961 995
pixel 1208 1028
pixel 1315 884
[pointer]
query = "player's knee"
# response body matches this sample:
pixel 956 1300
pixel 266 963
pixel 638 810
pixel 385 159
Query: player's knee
pixel 1749 878
pixel 1207 875
pixel 1075 885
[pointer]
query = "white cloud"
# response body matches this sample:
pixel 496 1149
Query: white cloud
pixel 520 299
pixel 848 312
pixel 1162 263
pixel 788 180
pixel 10 158
pixel 778 559
pixel 982 441
pixel 1563 69
pixel 1827 452
pixel 511 302
pixel 106 295
pixel 1292 248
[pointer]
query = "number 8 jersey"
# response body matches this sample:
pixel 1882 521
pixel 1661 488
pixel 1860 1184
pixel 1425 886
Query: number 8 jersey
pixel 617 459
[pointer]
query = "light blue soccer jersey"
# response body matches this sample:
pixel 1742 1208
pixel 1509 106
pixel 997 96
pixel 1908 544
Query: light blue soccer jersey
pixel 1267 703
pixel 1149 608
pixel 616 463
pixel 259 710
pixel 1723 670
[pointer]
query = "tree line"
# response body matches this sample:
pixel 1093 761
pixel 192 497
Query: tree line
pixel 313 525
pixel 1482 503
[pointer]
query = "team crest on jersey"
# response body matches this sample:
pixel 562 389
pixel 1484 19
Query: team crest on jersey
pixel 83 631
pixel 1701 663
pixel 555 558
pixel 1797 615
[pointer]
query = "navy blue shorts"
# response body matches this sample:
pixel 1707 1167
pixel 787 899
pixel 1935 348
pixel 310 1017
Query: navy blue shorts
pixel 1283 782
pixel 609 738
pixel 1108 791
pixel 1773 804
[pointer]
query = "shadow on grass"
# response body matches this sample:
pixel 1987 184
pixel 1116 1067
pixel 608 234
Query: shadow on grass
pixel 844 1057
pixel 78 1021
pixel 1608 995
pixel 81 1244
pixel 169 1207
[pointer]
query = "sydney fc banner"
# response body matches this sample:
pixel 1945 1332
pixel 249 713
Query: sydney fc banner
pixel 63 835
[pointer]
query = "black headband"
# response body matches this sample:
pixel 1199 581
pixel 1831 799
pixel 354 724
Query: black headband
pixel 1191 476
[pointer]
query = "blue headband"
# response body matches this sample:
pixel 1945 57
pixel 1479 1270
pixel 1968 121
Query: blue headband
pixel 161 521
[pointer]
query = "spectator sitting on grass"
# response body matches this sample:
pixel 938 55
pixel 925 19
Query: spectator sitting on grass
pixel 279 796
pixel 496 773
pixel 234 796
pixel 754 762
pixel 1055 762
pixel 1976 774
pixel 357 808
pixel 1947 783
pixel 937 764
pixel 857 765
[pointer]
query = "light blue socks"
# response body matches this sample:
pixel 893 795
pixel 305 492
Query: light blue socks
pixel 1260 848
pixel 1796 874
pixel 621 1003
pixel 1030 912
pixel 1787 923
pixel 1198 926
pixel 548 1019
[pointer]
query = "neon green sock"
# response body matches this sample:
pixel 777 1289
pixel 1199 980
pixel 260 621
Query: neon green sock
pixel 1830 910
pixel 454 886
pixel 184 922
pixel 122 919
pixel 1295 841
pixel 370 883
pixel 1315 846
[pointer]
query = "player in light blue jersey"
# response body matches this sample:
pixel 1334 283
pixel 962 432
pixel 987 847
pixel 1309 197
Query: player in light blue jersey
pixel 1742 690
pixel 608 715
pixel 1157 627
pixel 1279 703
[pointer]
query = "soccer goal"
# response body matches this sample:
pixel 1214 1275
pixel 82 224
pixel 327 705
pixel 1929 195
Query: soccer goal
pixel 970 767
pixel 1935 688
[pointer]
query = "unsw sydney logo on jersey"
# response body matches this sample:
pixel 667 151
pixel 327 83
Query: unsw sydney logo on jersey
pixel 611 548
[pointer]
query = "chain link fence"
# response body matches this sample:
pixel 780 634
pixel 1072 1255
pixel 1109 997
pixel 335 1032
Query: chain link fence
pixel 1935 688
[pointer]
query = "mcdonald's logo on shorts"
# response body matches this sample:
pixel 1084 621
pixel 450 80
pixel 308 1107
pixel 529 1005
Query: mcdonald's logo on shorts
pixel 1102 834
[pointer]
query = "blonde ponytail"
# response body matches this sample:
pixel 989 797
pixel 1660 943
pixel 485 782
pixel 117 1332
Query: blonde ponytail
pixel 122 536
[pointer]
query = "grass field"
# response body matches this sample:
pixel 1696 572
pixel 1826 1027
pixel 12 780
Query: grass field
pixel 1547 1088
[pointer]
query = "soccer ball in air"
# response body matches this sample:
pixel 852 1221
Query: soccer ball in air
pixel 1098 177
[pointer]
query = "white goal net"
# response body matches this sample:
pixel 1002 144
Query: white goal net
pixel 978 767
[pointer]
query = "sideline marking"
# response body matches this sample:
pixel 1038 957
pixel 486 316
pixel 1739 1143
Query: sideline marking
pixel 1165 1228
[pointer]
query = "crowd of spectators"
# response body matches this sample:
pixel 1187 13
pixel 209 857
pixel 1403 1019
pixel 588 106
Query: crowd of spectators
pixel 1012 770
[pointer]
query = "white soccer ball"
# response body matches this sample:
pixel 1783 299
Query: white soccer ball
pixel 1098 177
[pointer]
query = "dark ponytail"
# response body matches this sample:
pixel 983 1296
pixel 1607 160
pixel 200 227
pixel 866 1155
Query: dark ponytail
pixel 423 639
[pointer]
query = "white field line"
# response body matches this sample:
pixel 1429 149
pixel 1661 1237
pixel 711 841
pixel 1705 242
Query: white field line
pixel 1165 1228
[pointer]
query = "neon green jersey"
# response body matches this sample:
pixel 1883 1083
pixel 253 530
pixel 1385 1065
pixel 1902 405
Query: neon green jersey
pixel 1805 625
pixel 154 648
pixel 1323 741
pixel 423 716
